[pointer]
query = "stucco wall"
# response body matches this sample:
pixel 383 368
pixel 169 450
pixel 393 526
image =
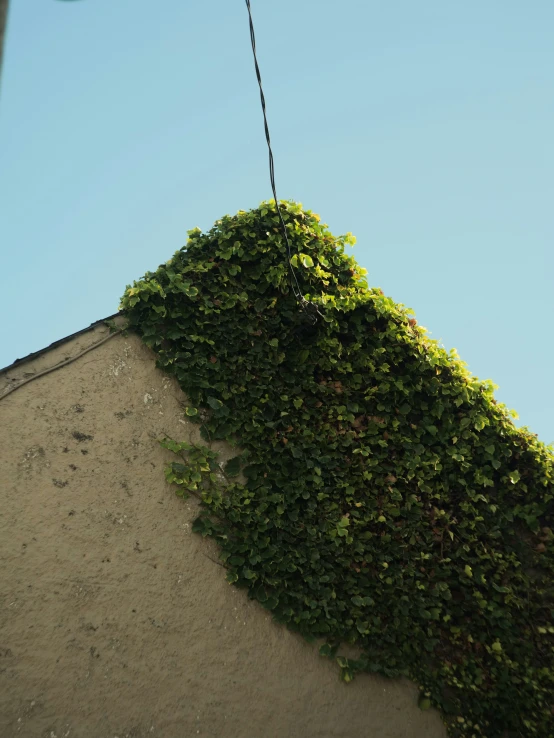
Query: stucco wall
pixel 116 620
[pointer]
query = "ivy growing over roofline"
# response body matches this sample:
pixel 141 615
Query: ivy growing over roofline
pixel 390 502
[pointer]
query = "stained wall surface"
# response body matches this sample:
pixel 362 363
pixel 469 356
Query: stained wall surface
pixel 115 619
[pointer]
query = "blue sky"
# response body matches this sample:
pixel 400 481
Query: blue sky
pixel 424 128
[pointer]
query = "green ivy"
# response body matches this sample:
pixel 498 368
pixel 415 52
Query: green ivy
pixel 389 502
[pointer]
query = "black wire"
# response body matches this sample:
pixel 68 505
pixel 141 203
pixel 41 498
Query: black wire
pixel 306 305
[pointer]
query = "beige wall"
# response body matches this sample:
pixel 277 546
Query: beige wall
pixel 114 619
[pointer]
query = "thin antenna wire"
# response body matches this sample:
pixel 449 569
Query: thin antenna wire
pixel 304 304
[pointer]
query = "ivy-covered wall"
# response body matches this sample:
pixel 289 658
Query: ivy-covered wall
pixel 390 501
pixel 116 619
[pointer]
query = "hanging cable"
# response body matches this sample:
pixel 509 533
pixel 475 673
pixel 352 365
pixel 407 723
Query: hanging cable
pixel 309 307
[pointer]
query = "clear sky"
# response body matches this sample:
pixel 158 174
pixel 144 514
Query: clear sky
pixel 425 128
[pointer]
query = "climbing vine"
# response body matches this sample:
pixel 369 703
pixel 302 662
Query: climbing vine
pixel 389 501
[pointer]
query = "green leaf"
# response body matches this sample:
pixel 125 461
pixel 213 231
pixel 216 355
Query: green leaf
pixel 346 675
pixel 232 467
pixel 202 526
pixel 327 650
pixel 271 603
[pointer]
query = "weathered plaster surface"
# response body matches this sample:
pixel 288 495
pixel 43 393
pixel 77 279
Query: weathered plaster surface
pixel 116 620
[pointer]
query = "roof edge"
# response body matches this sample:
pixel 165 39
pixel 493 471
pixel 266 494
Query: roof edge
pixel 59 342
